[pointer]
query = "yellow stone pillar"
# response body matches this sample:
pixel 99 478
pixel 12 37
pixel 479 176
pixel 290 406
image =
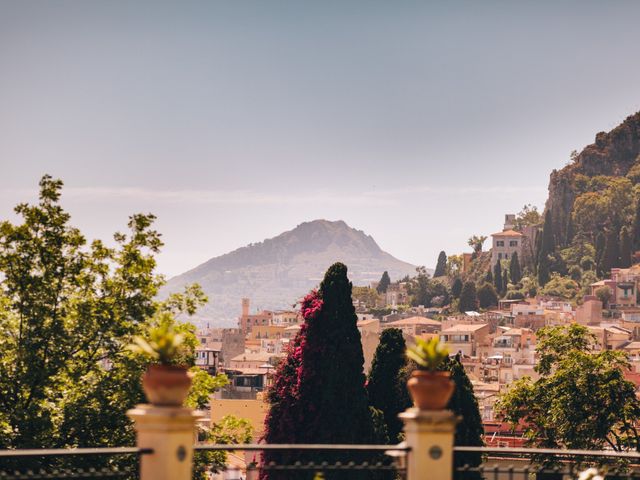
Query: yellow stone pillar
pixel 171 433
pixel 429 434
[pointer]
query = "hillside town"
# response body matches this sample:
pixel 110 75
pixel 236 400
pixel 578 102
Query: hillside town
pixel 496 345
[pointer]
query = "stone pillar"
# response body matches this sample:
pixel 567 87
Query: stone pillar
pixel 170 432
pixel 429 434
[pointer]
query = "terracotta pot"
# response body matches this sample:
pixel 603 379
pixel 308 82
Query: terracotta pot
pixel 430 390
pixel 166 386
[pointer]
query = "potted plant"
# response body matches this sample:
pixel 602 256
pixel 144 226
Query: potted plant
pixel 167 380
pixel 430 388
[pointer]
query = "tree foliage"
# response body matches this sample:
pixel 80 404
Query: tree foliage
pixel 468 298
pixel 487 295
pixel 547 247
pixel 384 282
pixel 441 266
pixel 68 309
pixel 515 274
pixel 581 399
pixel 384 377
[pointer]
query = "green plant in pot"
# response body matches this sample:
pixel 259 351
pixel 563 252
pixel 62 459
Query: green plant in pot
pixel 167 380
pixel 429 386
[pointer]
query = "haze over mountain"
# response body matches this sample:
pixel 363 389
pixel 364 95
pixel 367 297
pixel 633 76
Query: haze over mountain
pixel 277 272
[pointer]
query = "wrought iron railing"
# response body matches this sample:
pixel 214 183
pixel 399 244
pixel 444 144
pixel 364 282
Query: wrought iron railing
pixel 299 461
pixel 83 463
pixel 475 463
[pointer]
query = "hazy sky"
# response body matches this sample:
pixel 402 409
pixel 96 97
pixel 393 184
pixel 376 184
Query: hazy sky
pixel 421 123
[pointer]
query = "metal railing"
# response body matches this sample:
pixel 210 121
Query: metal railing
pixel 83 463
pixel 287 461
pixel 475 463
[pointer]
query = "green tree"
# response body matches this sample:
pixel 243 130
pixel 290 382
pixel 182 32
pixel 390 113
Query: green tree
pixel 487 295
pixel 604 295
pixel 528 216
pixel 441 266
pixel 384 282
pixel 497 276
pixel 635 230
pixel 600 247
pixel 561 287
pixel 468 298
pixel 469 432
pixel 489 277
pixel 514 269
pixel 547 247
pixel 625 248
pixel 456 288
pixel 611 254
pixel 383 381
pixel 68 310
pixel 580 401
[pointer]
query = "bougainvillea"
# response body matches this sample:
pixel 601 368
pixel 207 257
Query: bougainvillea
pixel 318 394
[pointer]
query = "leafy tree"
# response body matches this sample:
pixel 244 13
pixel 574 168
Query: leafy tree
pixel 561 287
pixel 497 276
pixel 384 282
pixel 382 384
pixel 528 216
pixel 580 401
pixel 318 394
pixel 604 295
pixel 68 310
pixel 419 288
pixel 487 295
pixel 505 282
pixel 514 269
pixel 456 288
pixel 454 265
pixel 625 248
pixel 468 298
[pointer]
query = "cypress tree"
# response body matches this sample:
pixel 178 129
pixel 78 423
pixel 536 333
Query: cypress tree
pixel 625 248
pixel 456 288
pixel 505 282
pixel 635 231
pixel 489 277
pixel 441 266
pixel 384 283
pixel 611 255
pixel 514 269
pixel 468 298
pixel 547 246
pixel 468 432
pixel 382 384
pixel 324 400
pixel 497 276
pixel 599 246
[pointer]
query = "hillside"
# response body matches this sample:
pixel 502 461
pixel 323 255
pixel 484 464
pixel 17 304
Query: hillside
pixel 613 154
pixel 278 271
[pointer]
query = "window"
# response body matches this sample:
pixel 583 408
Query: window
pixel 500 243
pixel 499 256
pixel 506 255
pixel 513 243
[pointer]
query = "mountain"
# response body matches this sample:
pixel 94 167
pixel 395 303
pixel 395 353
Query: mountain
pixel 613 155
pixel 277 272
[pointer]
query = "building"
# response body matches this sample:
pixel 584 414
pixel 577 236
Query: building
pixel 505 244
pixel 466 339
pixel 208 358
pixel 397 294
pixel 623 286
pixel 415 326
pixel 247 320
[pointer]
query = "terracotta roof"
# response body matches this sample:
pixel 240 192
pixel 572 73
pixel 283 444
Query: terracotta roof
pixel 507 233
pixel 461 327
pixel 414 321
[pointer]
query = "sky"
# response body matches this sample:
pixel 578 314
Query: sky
pixel 421 123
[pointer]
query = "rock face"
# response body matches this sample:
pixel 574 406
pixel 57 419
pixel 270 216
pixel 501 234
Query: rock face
pixel 277 272
pixel 612 154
